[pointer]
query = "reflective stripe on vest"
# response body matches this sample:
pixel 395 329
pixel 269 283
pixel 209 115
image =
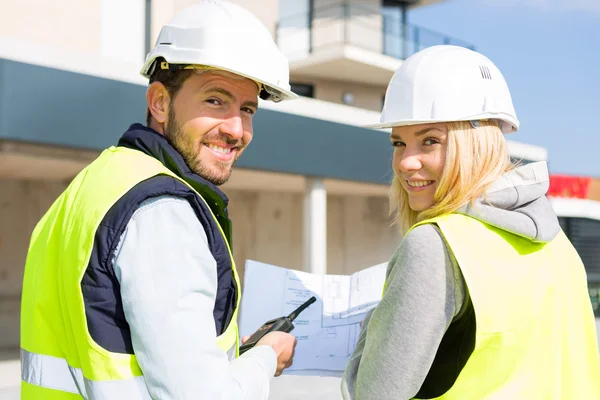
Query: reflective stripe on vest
pixel 54 336
pixel 535 335
pixel 54 373
pixel 51 372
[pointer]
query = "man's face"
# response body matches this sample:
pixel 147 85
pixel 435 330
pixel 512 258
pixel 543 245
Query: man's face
pixel 210 122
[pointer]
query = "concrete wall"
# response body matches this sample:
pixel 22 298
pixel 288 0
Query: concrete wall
pixel 266 10
pixel 365 96
pixel 267 228
pixel 22 203
pixel 48 22
pixel 114 29
pixel 162 11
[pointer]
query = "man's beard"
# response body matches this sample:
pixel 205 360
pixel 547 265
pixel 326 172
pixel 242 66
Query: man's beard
pixel 190 151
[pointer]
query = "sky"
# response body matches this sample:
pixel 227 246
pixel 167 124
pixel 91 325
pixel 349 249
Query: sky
pixel 549 54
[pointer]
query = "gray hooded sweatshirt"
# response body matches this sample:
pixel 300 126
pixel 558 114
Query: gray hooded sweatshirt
pixel 422 332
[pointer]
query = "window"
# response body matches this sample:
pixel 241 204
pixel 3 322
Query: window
pixel 520 161
pixel 293 28
pixel 394 19
pixel 584 233
pixel 302 89
pixel 348 98
pixel 594 290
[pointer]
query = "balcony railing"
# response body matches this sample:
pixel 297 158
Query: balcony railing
pixel 345 23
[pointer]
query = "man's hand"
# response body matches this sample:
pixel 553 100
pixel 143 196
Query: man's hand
pixel 284 345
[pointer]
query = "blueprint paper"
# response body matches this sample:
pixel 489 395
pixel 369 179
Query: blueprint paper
pixel 327 331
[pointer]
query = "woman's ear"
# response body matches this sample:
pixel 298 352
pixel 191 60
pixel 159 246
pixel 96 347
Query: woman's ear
pixel 158 100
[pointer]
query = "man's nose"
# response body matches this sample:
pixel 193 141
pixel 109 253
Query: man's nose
pixel 233 127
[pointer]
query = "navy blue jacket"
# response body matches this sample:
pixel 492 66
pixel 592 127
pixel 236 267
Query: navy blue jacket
pixel 100 287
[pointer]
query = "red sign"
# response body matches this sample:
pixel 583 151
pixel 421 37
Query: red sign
pixel 569 186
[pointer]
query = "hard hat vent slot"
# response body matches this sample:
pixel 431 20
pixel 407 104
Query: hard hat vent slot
pixel 485 72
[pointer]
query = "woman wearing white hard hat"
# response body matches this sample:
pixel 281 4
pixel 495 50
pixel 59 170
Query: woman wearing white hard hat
pixel 485 297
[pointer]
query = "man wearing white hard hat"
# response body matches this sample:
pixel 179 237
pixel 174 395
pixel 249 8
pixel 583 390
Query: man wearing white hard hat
pixel 130 288
pixel 485 297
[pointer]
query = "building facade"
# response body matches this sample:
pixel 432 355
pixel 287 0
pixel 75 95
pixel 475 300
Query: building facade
pixel 576 200
pixel 310 192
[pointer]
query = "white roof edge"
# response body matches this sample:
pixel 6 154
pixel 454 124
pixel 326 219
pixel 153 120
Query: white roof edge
pixel 527 151
pixel 95 65
pixel 423 3
pixel 347 51
pixel 70 60
pixel 576 208
pixel 324 110
pixel 344 114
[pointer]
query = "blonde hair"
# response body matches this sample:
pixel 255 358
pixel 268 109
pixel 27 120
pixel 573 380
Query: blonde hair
pixel 475 158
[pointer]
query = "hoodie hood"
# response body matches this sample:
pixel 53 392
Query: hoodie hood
pixel 517 203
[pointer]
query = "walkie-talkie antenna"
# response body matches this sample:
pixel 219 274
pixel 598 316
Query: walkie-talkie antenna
pixel 298 310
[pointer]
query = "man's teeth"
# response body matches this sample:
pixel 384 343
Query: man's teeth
pixel 419 184
pixel 219 149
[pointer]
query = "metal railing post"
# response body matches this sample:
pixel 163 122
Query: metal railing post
pixel 346 14
pixel 311 17
pixel 417 45
pixel 404 31
pixel 148 27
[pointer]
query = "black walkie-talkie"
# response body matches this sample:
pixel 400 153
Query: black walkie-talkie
pixel 281 324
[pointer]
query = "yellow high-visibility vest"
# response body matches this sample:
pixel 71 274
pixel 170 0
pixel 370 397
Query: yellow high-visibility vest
pixel 535 328
pixel 60 360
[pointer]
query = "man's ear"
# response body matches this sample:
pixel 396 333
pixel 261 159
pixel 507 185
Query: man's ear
pixel 158 100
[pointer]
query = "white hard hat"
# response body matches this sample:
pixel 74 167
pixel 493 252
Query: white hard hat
pixel 444 84
pixel 224 36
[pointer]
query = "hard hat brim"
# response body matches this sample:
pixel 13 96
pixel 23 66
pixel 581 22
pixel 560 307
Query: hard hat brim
pixel 285 93
pixel 509 125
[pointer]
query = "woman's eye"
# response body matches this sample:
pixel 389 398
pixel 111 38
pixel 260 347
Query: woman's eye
pixel 430 141
pixel 397 143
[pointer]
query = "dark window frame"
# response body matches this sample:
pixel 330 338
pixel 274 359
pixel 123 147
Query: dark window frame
pixel 303 89
pixel 584 234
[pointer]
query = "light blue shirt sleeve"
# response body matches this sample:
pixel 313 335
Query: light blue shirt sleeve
pixel 168 280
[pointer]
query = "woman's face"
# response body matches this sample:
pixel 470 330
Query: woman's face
pixel 419 157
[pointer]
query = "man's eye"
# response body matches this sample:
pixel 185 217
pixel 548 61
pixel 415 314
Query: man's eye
pixel 249 110
pixel 215 102
pixel 397 143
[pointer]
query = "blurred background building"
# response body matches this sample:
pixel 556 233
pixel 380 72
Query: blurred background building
pixel 576 200
pixel 309 193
